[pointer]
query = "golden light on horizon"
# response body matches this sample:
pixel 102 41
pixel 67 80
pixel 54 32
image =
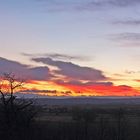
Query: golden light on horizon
pixel 69 90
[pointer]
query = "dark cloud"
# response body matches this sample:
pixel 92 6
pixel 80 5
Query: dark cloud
pixel 40 73
pixel 127 22
pixel 11 66
pixel 63 57
pixel 99 83
pixel 79 83
pixel 58 56
pixel 73 71
pixel 47 92
pixel 36 91
pixel 26 71
pixel 125 87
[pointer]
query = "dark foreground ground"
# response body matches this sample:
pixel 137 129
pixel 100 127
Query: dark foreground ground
pixel 85 119
pixel 88 119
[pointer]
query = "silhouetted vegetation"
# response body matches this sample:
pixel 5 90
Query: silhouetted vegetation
pixel 16 115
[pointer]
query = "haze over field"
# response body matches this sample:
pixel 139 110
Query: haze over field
pixel 72 47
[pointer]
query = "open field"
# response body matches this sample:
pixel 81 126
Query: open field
pixel 106 120
pixel 73 119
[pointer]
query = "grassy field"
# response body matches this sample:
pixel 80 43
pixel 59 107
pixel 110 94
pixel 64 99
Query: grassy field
pixel 89 122
pixel 73 119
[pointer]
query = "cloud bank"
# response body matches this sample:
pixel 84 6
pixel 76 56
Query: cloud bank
pixel 26 71
pixel 73 71
pixel 75 80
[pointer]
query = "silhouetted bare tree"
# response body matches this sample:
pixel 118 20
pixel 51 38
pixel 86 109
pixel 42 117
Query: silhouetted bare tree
pixel 16 115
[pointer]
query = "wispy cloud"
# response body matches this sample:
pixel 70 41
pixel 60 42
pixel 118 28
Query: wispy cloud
pixel 127 22
pixel 131 72
pixel 59 6
pixel 128 36
pixel 79 83
pixel 99 4
pixel 59 56
pixel 121 3
pixel 65 5
pixel 126 39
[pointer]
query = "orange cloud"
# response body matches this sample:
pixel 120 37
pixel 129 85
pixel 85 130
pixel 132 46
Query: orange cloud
pixel 53 89
pixel 102 90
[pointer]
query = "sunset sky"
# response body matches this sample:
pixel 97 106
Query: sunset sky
pixel 72 47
